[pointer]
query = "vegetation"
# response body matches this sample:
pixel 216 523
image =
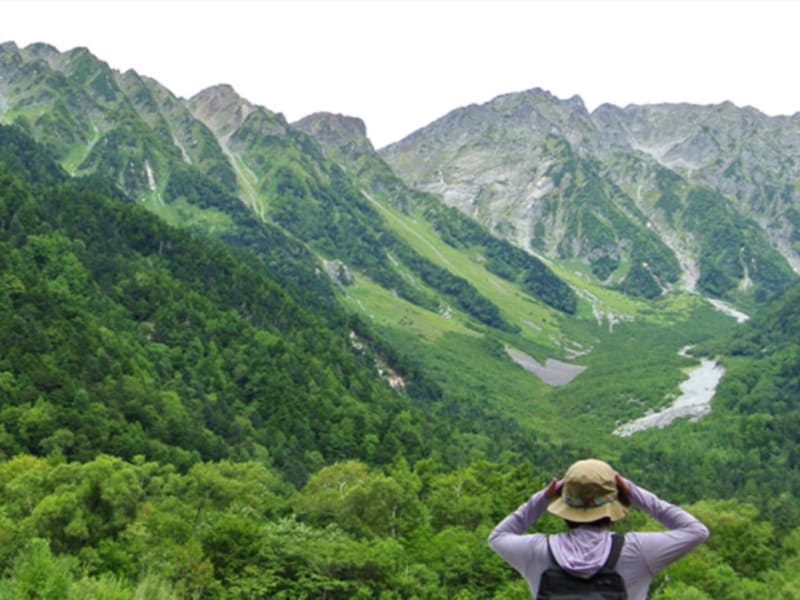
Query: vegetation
pixel 200 434
pixel 129 337
pixel 732 249
pixel 500 257
pixel 191 413
pixel 109 528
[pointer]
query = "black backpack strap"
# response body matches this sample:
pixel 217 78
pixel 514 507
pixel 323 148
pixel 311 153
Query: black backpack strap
pixel 550 552
pixel 617 541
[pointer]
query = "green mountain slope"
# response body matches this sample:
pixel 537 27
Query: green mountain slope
pixel 124 335
pixel 294 375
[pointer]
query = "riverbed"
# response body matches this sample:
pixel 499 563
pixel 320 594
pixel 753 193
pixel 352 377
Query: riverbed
pixel 693 403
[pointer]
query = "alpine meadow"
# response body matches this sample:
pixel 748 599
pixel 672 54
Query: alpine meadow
pixel 245 358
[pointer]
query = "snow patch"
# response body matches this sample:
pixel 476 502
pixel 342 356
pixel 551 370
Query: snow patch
pixel 151 180
pixel 726 308
pixel 553 372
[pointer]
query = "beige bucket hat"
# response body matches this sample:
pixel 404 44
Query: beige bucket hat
pixel 588 493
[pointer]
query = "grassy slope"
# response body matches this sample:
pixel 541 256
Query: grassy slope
pixel 615 333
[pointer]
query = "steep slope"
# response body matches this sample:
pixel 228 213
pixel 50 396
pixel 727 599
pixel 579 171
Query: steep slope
pixel 344 140
pixel 552 178
pixel 132 337
pixel 294 185
pixel 124 335
pixel 188 162
pixel 750 158
pixel 133 132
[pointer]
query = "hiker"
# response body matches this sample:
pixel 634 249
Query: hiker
pixel 590 498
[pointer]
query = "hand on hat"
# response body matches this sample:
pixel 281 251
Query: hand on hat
pixel 623 491
pixel 553 489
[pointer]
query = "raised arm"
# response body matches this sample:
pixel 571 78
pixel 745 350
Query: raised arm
pixel 685 531
pixel 507 538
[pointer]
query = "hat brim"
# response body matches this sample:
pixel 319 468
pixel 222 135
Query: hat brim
pixel 613 510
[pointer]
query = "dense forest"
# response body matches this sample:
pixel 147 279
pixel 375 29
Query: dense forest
pixel 176 423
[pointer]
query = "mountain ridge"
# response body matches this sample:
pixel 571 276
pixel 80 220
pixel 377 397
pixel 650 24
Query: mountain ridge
pixel 314 197
pixel 501 163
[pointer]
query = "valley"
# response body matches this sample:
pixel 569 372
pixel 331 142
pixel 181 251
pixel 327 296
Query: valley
pixel 242 357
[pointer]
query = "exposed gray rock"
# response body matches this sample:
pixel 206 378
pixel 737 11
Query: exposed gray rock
pixel 221 108
pixel 333 131
pixel 498 163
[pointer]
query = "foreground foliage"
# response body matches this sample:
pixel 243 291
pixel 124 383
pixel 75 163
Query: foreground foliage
pixel 109 528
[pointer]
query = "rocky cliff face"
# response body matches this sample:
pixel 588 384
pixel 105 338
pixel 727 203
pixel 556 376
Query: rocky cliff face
pixel 556 179
pixel 336 132
pixel 751 158
pixel 221 108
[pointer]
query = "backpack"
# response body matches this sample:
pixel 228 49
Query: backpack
pixel 606 584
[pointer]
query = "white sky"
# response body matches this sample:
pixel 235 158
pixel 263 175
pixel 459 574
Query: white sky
pixel 400 64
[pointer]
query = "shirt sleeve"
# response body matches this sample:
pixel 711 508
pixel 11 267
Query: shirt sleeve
pixel 684 531
pixel 507 539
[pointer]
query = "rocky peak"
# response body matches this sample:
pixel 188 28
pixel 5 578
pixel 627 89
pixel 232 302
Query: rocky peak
pixel 81 59
pixel 512 162
pixel 221 108
pixel 733 149
pixel 336 131
pixel 42 50
pixel 518 120
pixel 542 103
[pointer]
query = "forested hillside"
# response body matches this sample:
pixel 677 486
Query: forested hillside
pixel 174 425
pixel 127 336
pixel 242 358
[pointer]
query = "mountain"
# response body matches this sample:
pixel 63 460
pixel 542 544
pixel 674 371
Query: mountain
pixel 335 226
pixel 649 198
pixel 241 357
pixel 344 140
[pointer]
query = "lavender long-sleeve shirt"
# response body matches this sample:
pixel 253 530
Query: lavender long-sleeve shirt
pixel 583 550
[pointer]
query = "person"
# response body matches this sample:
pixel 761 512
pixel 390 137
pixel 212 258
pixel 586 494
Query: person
pixel 589 498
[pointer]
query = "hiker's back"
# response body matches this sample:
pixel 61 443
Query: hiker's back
pixel 606 584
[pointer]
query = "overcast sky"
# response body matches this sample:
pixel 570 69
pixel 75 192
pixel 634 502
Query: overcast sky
pixel 401 64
